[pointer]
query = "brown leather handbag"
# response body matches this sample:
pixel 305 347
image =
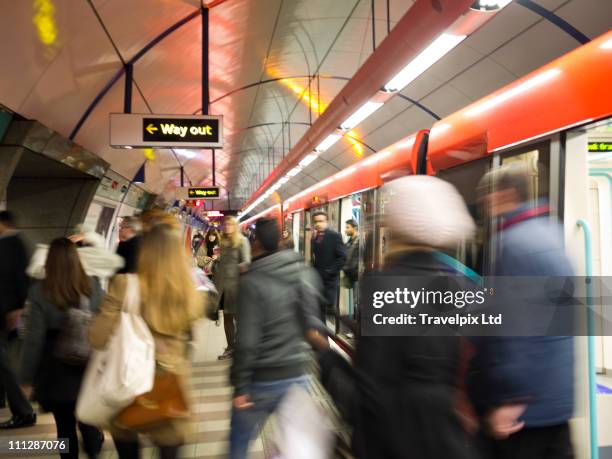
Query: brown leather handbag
pixel 165 402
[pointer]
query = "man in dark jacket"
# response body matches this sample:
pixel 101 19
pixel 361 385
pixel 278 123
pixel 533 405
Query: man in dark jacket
pixel 328 255
pixel 129 245
pixel 524 387
pixel 277 304
pixel 13 293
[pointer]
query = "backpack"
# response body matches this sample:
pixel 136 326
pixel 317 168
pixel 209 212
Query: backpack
pixel 72 345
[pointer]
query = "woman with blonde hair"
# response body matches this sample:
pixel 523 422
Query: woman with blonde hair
pixel 234 259
pixel 169 306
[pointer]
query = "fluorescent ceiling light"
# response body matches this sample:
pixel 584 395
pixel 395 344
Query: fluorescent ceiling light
pixel 490 5
pixel 606 44
pixel 513 92
pixel 283 180
pixel 328 142
pixel 293 172
pixel 361 114
pixel 308 159
pixel 430 55
pixel 128 147
pixel 346 172
pixel 185 153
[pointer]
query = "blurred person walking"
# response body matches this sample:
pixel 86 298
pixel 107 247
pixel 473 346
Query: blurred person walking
pixel 169 305
pixel 402 392
pixel 13 293
pixel 45 372
pixel 234 259
pixel 524 387
pixel 278 300
pixel 129 243
pixel 329 256
pixel 96 259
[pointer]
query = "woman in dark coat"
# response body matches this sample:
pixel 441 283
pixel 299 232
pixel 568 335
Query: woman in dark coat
pixel 405 387
pixel 54 382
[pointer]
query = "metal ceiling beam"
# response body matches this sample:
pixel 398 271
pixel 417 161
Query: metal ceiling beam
pixel 421 24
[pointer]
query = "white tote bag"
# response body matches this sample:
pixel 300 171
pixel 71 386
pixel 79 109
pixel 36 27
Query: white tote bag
pixel 124 370
pixel 305 430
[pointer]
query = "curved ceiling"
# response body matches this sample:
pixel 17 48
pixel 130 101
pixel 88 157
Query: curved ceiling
pixel 59 55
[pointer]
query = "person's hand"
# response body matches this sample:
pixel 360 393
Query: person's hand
pixel 243 268
pixel 27 391
pixel 503 421
pixel 242 402
pixel 12 319
pixel 317 340
pixel 76 238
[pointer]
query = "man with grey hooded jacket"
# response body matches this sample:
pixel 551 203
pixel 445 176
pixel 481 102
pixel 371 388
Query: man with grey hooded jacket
pixel 278 304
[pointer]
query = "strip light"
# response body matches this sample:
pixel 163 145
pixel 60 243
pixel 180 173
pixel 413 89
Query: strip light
pixel 283 180
pixel 606 44
pixel 429 56
pixel 328 142
pixel 295 171
pixel 308 159
pixel 361 114
pixel 513 92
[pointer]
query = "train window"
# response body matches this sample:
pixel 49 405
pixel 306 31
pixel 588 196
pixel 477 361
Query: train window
pixel 465 178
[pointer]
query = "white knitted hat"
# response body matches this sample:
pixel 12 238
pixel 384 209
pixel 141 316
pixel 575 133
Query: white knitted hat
pixel 426 211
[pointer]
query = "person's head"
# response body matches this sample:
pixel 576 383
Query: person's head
pixel 212 236
pixel 7 221
pixel 266 236
pixel 504 189
pixel 231 232
pixel 129 227
pixel 65 279
pixel 167 290
pixel 426 212
pixel 319 220
pixel 350 228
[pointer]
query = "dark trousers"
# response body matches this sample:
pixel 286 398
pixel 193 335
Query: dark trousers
pixel 330 293
pixel 130 449
pixel 17 402
pixel 535 443
pixel 66 424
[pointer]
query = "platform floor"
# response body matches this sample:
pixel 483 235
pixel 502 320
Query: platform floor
pixel 211 395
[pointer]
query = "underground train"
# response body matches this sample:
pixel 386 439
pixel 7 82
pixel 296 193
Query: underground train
pixel 557 122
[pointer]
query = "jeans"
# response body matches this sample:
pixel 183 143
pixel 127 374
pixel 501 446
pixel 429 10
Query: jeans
pixel 246 423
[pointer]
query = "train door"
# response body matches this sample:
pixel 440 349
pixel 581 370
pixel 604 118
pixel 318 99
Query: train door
pixel 588 213
pixel 307 236
pixel 297 232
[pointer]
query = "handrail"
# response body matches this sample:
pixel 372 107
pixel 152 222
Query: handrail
pixel 460 267
pixel 588 261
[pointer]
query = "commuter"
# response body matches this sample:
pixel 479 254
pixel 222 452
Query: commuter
pixel 96 259
pixel 54 381
pixel 197 240
pixel 287 240
pixel 404 386
pixel 234 259
pixel 278 308
pixel 351 267
pixel 329 255
pixel 525 399
pixel 13 293
pixel 205 256
pixel 129 243
pixel 169 306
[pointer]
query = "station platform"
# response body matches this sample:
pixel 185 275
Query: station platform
pixel 211 397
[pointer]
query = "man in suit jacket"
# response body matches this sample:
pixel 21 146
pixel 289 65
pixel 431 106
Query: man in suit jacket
pixel 13 293
pixel 328 258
